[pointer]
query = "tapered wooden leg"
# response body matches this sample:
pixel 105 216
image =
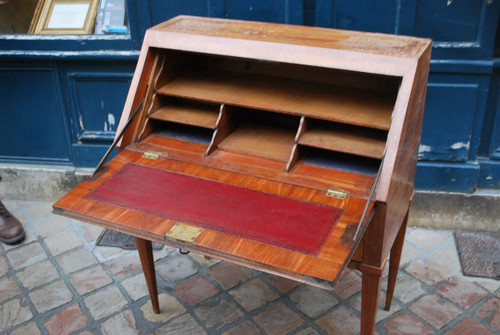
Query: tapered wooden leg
pixel 394 261
pixel 148 267
pixel 369 300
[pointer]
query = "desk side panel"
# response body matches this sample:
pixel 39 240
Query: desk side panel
pixel 137 92
pixel 396 192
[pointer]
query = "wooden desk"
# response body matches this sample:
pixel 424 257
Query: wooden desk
pixel 264 145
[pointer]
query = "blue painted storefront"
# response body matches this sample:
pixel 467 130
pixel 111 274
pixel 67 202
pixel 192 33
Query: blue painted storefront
pixel 61 97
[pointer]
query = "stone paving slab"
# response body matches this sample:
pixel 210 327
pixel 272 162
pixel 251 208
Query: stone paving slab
pixel 67 321
pixel 58 282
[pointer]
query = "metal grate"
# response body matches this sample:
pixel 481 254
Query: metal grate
pixel 479 253
pixel 111 238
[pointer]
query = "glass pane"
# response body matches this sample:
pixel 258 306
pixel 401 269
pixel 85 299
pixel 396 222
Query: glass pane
pixel 16 15
pixel 67 17
pixel 111 17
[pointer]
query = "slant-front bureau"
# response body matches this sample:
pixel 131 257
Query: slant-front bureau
pixel 287 149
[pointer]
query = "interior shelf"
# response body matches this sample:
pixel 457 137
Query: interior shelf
pixel 186 132
pixel 351 140
pixel 194 114
pixel 346 105
pixel 260 141
pixel 340 161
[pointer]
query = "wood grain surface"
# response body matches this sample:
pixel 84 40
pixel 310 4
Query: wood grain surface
pixel 360 141
pixel 195 115
pixel 261 141
pixel 325 266
pixel 373 43
pixel 353 106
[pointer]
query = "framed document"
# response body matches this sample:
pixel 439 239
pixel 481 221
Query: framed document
pixel 64 17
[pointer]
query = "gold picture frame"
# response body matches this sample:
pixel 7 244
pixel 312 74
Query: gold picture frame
pixel 57 17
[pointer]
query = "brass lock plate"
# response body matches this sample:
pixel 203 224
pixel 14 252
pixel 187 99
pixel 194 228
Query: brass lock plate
pixel 183 232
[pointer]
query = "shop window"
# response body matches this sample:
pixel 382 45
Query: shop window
pixel 63 17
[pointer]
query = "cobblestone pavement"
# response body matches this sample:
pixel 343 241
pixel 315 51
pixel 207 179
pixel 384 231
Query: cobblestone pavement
pixel 59 282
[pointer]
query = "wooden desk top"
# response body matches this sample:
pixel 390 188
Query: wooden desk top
pixel 319 268
pixel 373 43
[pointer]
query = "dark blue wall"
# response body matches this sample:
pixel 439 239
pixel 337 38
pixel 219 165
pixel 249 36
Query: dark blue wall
pixel 62 97
pixel 33 121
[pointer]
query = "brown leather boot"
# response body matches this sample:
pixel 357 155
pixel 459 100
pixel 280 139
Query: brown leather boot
pixel 11 230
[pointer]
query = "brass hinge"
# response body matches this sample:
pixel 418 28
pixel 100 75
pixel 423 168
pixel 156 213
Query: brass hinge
pixel 337 194
pixel 151 155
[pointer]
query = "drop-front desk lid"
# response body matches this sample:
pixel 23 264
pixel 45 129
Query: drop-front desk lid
pixel 276 226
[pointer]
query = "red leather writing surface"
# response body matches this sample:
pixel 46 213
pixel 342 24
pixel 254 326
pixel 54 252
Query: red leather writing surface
pixel 250 214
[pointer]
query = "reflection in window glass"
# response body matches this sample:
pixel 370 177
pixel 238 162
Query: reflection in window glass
pixel 111 17
pixel 68 17
pixel 16 15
